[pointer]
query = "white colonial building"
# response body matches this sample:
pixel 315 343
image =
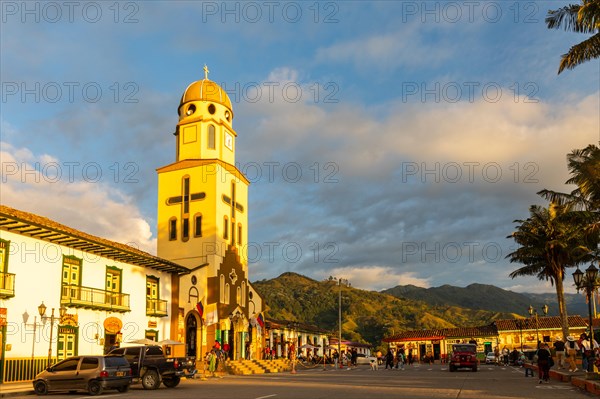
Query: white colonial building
pixel 96 293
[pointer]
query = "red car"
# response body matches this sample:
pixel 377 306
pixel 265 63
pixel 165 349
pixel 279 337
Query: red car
pixel 463 356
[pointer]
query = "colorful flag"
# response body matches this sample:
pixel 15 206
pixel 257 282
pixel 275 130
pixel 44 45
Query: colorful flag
pixel 200 308
pixel 260 320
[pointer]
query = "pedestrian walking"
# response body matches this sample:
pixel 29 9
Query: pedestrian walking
pixel 571 348
pixel 544 356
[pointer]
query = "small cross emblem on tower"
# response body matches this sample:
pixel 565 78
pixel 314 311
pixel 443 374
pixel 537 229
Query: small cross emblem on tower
pixel 186 197
pixel 205 72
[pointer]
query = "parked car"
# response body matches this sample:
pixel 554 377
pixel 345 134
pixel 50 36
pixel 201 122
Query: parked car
pixel 463 356
pixel 93 374
pixel 152 366
pixel 490 358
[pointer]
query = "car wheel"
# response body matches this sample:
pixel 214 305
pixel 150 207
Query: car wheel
pixel 123 389
pixel 40 388
pixel 171 382
pixel 452 368
pixel 474 368
pixel 94 388
pixel 150 380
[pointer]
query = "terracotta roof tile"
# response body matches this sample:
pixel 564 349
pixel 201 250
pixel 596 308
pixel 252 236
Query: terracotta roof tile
pixel 544 323
pixel 39 227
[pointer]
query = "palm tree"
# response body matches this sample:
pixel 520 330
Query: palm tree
pixel 584 166
pixel 582 18
pixel 550 241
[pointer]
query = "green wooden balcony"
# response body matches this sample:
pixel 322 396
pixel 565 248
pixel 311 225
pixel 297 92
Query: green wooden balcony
pixel 85 297
pixel 156 307
pixel 7 285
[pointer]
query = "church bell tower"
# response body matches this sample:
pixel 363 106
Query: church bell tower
pixel 203 221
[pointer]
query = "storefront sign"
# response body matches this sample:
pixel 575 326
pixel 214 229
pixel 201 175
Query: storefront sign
pixel 112 325
pixel 69 320
pixel 152 324
pixel 2 317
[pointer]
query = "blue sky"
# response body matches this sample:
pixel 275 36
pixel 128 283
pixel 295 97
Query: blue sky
pixel 387 142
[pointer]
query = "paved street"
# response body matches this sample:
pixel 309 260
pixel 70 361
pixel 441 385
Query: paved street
pixel 420 381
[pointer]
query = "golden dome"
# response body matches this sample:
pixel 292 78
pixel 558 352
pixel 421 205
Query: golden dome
pixel 206 90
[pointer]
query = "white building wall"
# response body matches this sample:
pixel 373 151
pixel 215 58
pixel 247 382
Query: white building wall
pixel 38 266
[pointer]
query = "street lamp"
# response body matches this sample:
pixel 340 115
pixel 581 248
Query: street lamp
pixel 42 311
pixel 341 281
pixel 589 284
pixel 520 325
pixel 35 324
pixel 533 311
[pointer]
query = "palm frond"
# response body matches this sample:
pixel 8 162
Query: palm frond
pixel 565 17
pixel 580 53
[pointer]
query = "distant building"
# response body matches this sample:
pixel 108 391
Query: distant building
pixel 512 333
pixel 280 334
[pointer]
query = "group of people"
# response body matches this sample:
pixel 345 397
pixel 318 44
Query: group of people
pixel 507 357
pixel 344 358
pixel 397 359
pixel 567 352
pixel 216 356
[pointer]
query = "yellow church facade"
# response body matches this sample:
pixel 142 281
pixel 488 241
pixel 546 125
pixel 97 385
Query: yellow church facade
pixel 203 225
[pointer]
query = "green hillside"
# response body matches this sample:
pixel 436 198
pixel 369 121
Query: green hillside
pixel 367 316
pixel 488 297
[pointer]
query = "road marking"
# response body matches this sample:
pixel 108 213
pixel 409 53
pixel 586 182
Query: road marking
pixel 268 396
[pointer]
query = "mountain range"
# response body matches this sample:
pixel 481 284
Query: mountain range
pixel 369 316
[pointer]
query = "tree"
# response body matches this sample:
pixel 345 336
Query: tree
pixel 584 166
pixel 551 240
pixel 581 18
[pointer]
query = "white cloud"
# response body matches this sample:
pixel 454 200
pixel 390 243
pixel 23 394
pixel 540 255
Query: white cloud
pixel 406 47
pixel 42 185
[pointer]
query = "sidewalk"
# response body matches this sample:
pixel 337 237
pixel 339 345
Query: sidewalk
pixel 16 388
pixel 577 379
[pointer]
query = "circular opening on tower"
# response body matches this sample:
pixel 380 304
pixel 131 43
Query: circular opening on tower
pixel 212 109
pixel 227 115
pixel 191 109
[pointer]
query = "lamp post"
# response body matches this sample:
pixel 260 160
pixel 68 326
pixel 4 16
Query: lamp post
pixel 533 311
pixel 42 311
pixel 341 281
pixel 520 325
pixel 35 324
pixel 589 284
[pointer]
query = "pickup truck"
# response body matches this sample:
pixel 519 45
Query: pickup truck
pixel 150 365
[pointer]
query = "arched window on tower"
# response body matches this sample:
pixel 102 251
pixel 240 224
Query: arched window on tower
pixel 239 234
pixel 198 225
pixel 238 296
pixel 185 229
pixel 211 137
pixel 173 229
pixel 243 303
pixel 226 227
pixel 227 294
pixel 222 288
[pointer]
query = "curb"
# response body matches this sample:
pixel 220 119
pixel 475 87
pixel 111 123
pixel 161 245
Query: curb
pixel 577 380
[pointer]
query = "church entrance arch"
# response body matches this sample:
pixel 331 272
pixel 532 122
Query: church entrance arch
pixel 191 336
